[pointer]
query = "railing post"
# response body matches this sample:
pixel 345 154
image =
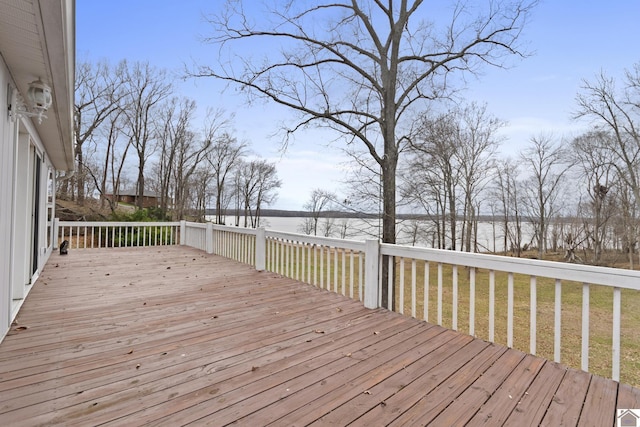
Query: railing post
pixel 209 238
pixel 371 268
pixel 261 249
pixel 183 232
pixel 56 230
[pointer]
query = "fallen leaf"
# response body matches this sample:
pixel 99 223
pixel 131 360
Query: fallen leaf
pixel 348 354
pixel 367 392
pixel 376 333
pixel 168 268
pixel 338 309
pixel 138 366
pixel 318 331
pixel 21 328
pixel 130 351
pixel 254 368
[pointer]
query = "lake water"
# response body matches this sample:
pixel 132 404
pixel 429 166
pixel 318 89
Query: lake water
pixel 489 239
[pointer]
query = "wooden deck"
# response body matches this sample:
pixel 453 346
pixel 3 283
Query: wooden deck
pixel 172 336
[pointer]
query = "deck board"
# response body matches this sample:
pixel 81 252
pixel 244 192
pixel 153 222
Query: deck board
pixel 173 336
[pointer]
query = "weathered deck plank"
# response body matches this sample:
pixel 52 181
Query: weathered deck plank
pixel 172 336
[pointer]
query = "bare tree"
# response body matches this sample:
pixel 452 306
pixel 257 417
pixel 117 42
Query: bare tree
pixel 435 163
pixel 617 112
pixel 146 88
pixel 98 93
pixel 507 191
pixel 361 67
pixel 547 163
pixel 319 201
pixel 595 165
pixel 258 184
pixel 182 152
pixel 225 155
pixel 476 145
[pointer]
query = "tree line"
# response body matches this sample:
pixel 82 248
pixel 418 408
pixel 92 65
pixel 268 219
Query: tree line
pixel 133 132
pixel 578 195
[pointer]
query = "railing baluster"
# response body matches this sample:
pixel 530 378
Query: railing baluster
pixel 584 359
pixel 440 293
pixel 413 287
pixel 360 275
pixel 472 301
pixel 454 321
pixel 557 321
pixel 298 260
pixel 401 308
pixel 315 265
pixel 391 262
pixel 321 267
pixel 492 304
pixel 278 246
pixel 533 308
pixel 287 263
pixel 344 271
pixel 425 295
pixel 335 270
pixel 510 310
pixel 615 351
pixel 351 274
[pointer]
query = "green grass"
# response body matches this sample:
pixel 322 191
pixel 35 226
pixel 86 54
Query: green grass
pixel 600 312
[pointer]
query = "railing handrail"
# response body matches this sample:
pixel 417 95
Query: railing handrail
pixel 317 240
pixel 119 223
pixel 595 275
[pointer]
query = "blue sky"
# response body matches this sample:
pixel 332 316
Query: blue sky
pixel 571 40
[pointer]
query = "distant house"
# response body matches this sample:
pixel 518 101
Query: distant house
pixel 150 198
pixel 37 63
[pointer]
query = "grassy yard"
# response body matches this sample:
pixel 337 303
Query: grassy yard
pixel 600 324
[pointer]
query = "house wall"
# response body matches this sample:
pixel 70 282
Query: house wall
pixel 7 144
pixel 25 239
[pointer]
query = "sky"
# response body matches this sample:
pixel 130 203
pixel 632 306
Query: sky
pixel 570 40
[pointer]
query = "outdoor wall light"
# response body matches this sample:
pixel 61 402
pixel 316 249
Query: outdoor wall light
pixel 39 97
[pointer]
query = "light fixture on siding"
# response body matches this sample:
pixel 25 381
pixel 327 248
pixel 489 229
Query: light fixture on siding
pixel 39 97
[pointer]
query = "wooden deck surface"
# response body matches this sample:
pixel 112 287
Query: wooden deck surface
pixel 172 336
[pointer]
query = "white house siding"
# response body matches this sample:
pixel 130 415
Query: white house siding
pixel 37 40
pixel 21 258
pixel 7 145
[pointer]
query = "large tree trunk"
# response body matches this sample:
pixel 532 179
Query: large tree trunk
pixel 140 200
pixel 389 165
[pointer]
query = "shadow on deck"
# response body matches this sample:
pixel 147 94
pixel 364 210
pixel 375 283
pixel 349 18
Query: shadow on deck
pixel 172 336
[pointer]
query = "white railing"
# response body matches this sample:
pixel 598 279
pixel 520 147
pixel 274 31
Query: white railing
pixel 490 271
pixel 86 235
pixel 501 299
pixel 332 264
